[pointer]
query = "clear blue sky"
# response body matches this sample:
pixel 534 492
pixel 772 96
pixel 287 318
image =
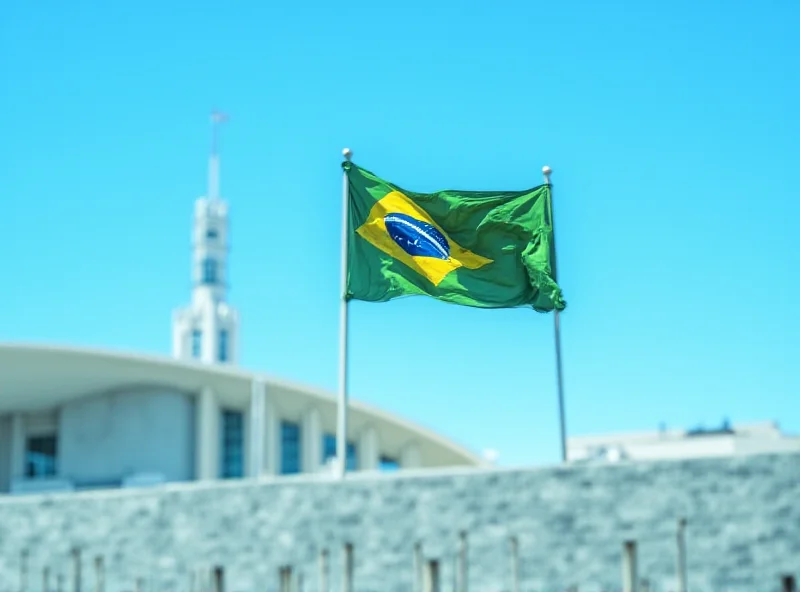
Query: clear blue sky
pixel 673 130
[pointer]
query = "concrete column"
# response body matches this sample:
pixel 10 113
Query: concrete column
pixel 630 577
pixel 17 460
pixel 410 457
pixel 210 353
pixel 311 433
pixel 247 453
pixel 368 450
pixel 207 436
pixel 272 438
pixel 256 419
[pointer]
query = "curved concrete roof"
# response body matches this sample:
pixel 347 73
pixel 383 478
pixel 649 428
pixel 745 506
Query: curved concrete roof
pixel 35 376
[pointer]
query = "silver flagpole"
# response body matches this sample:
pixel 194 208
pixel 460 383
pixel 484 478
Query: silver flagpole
pixel 547 171
pixel 341 419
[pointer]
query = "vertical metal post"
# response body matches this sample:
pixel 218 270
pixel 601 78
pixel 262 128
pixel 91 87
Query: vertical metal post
pixel 788 584
pixel 324 571
pixel 341 423
pixel 23 571
pixel 462 563
pixel 76 570
pixel 201 579
pixel 514 548
pixel 681 556
pixel 431 581
pixel 547 171
pixel 99 574
pixel 347 571
pixel 285 579
pixel 630 577
pixel 560 379
pixel 213 166
pixel 218 584
pixel 417 567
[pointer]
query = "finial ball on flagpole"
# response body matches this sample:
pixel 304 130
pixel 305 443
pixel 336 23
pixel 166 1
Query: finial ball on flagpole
pixel 347 153
pixel 546 170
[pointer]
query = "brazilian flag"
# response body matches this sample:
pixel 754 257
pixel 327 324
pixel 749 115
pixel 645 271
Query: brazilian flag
pixel 489 249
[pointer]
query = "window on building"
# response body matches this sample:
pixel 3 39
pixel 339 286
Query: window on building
pixel 209 271
pixel 211 233
pixel 41 456
pixel 197 343
pixel 387 463
pixel 223 346
pixel 232 444
pixel 290 448
pixel 329 451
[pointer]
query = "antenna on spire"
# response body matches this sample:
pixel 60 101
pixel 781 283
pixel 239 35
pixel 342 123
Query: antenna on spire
pixel 217 118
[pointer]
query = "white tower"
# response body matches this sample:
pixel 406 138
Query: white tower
pixel 208 329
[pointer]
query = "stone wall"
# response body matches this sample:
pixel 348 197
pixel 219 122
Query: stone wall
pixel 570 523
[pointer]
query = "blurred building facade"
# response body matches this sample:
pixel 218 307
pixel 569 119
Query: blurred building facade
pixel 726 440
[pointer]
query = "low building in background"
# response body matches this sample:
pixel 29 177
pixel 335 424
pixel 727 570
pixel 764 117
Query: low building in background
pixel 726 440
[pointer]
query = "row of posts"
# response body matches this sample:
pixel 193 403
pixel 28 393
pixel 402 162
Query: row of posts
pixel 427 574
pixel 630 575
pixel 289 581
pixel 630 570
pixel 77 585
pixel 59 580
pixel 427 571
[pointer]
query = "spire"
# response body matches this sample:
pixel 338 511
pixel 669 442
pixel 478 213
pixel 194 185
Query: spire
pixel 217 118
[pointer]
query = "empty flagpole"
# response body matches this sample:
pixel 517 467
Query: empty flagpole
pixel 341 418
pixel 547 171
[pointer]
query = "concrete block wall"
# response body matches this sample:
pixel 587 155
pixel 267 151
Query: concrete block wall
pixel 569 523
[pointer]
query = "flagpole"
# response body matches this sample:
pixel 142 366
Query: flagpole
pixel 547 171
pixel 341 418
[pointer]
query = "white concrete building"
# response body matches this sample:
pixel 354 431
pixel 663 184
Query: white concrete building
pixel 73 418
pixel 726 440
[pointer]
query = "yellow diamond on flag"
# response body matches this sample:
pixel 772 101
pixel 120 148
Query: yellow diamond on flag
pixel 403 230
